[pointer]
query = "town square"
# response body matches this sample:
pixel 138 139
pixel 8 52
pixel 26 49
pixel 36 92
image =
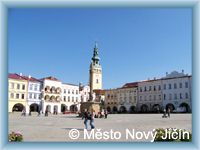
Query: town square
pixel 123 91
pixel 55 128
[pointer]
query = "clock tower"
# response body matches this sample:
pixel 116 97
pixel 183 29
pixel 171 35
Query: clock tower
pixel 95 71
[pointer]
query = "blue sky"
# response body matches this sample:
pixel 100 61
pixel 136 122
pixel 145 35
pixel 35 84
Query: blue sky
pixel 134 43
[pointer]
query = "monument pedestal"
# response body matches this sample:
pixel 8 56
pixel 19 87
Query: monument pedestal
pixel 90 105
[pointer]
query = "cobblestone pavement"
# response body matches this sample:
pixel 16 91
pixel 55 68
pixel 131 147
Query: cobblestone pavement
pixel 56 127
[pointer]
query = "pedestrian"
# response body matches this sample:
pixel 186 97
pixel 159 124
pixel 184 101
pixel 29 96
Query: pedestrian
pixel 38 112
pixel 86 117
pixel 92 119
pixel 46 112
pixel 30 112
pixel 106 114
pixel 164 115
pixel 23 112
pixel 168 112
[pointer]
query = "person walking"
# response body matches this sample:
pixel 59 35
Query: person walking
pixel 164 115
pixel 30 112
pixel 92 119
pixel 106 114
pixel 46 112
pixel 39 111
pixel 86 117
pixel 168 112
pixel 24 112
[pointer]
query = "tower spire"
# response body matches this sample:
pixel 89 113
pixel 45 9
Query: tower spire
pixel 95 58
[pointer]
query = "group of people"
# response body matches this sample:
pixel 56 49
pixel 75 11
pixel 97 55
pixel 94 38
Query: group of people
pixel 24 112
pixel 166 114
pixel 89 116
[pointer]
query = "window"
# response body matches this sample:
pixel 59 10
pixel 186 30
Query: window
pixel 17 96
pixel 154 88
pixel 64 90
pixel 180 95
pixel 18 86
pixel 186 95
pixel 149 88
pixel 159 87
pixel 22 96
pixel 31 87
pixel 64 98
pixel 12 85
pixel 72 99
pixel 159 97
pixel 175 96
pixel 68 91
pixel 72 91
pixel 145 89
pixel 175 87
pixel 35 88
pixel 140 97
pixel 164 87
pixel 76 91
pixel 35 96
pixel 12 95
pixel 145 98
pixel 164 97
pixel 140 89
pixel 76 99
pixel 180 85
pixel 68 98
pixel 23 87
pixel 97 81
pixel 170 86
pixel 30 96
pixel 154 97
pixel 150 97
pixel 186 84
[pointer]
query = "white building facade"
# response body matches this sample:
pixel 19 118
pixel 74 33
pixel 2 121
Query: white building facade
pixel 176 91
pixel 34 94
pixel 70 98
pixel 51 95
pixel 149 96
pixel 84 93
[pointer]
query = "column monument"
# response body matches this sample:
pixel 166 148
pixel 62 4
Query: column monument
pixel 95 82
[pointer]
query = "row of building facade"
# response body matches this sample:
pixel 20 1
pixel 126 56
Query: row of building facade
pixel 172 91
pixel 46 93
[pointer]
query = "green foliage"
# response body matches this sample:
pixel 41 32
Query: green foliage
pixel 181 136
pixel 15 137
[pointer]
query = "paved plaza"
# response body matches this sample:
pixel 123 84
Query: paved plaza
pixel 56 127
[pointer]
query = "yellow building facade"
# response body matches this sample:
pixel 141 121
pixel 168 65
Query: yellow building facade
pixel 17 92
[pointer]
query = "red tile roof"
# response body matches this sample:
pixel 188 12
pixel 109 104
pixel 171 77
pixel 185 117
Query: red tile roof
pixel 130 85
pixel 50 78
pixel 15 76
pixel 18 77
pixel 99 92
pixel 32 79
